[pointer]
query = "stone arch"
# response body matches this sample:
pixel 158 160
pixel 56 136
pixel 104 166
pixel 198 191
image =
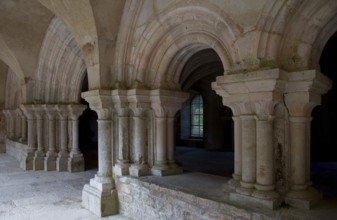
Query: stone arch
pixel 8 57
pixel 61 67
pixel 272 24
pixel 312 23
pixel 176 34
pixel 13 90
pixel 79 20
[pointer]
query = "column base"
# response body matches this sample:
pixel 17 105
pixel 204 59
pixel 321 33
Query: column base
pixel 38 162
pixel 100 198
pixel 165 170
pixel 121 169
pixel 62 161
pixel 231 185
pixel 252 201
pixel 26 162
pixel 138 170
pixel 76 163
pixel 50 161
pixel 303 199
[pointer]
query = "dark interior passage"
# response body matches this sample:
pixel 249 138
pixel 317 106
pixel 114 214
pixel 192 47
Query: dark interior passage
pixel 204 127
pixel 88 132
pixel 88 138
pixel 324 128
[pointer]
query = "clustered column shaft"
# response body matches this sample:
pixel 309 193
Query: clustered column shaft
pixel 28 124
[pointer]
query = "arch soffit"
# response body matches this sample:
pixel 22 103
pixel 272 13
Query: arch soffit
pixel 80 21
pixel 60 68
pixel 174 36
pixel 309 29
pixel 8 57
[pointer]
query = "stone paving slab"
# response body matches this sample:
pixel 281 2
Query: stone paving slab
pixel 31 195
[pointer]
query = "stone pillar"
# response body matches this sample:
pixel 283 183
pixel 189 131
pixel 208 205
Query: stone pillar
pixel 165 104
pixel 50 158
pixel 17 124
pixel 62 157
pixel 235 182
pixel 38 163
pixel 302 95
pixel 23 138
pixel 28 156
pixel 7 121
pixel 171 142
pixel 248 154
pixel 76 160
pixel 11 120
pixel 252 97
pixel 121 107
pixel 100 195
pixel 139 104
pixel 265 177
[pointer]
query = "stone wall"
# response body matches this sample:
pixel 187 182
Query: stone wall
pixel 15 149
pixel 143 200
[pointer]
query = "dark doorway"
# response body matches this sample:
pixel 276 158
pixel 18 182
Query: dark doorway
pixel 88 133
pixel 204 133
pixel 324 128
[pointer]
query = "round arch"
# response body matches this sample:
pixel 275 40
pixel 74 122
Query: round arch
pixel 175 36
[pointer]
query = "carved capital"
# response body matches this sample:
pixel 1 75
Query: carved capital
pixel 28 110
pixel 63 112
pixel 120 101
pixel 252 93
pixel 166 103
pixel 39 111
pixel 100 101
pixel 304 91
pixel 139 101
pixel 75 111
pixel 51 111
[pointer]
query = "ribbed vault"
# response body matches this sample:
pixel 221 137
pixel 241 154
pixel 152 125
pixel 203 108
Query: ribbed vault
pixel 61 68
pixel 171 38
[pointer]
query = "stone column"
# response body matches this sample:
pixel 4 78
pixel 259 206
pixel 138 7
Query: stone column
pixel 248 154
pixel 62 157
pixel 252 97
pixel 7 121
pixel 38 163
pixel 235 182
pixel 17 124
pixel 265 178
pixel 170 142
pixel 139 103
pixel 11 121
pixel 4 111
pixel 76 160
pixel 165 104
pixel 50 158
pixel 23 127
pixel 100 195
pixel 28 156
pixel 302 95
pixel 121 107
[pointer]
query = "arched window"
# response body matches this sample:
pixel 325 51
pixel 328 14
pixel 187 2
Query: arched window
pixel 197 116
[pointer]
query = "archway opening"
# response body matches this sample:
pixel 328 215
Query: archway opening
pixel 323 128
pixel 204 127
pixel 88 132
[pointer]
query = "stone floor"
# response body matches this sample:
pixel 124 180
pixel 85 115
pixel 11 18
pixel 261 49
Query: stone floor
pixel 42 195
pixel 57 195
pixel 199 163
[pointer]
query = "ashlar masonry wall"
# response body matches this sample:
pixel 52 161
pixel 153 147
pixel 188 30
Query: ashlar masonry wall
pixel 144 200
